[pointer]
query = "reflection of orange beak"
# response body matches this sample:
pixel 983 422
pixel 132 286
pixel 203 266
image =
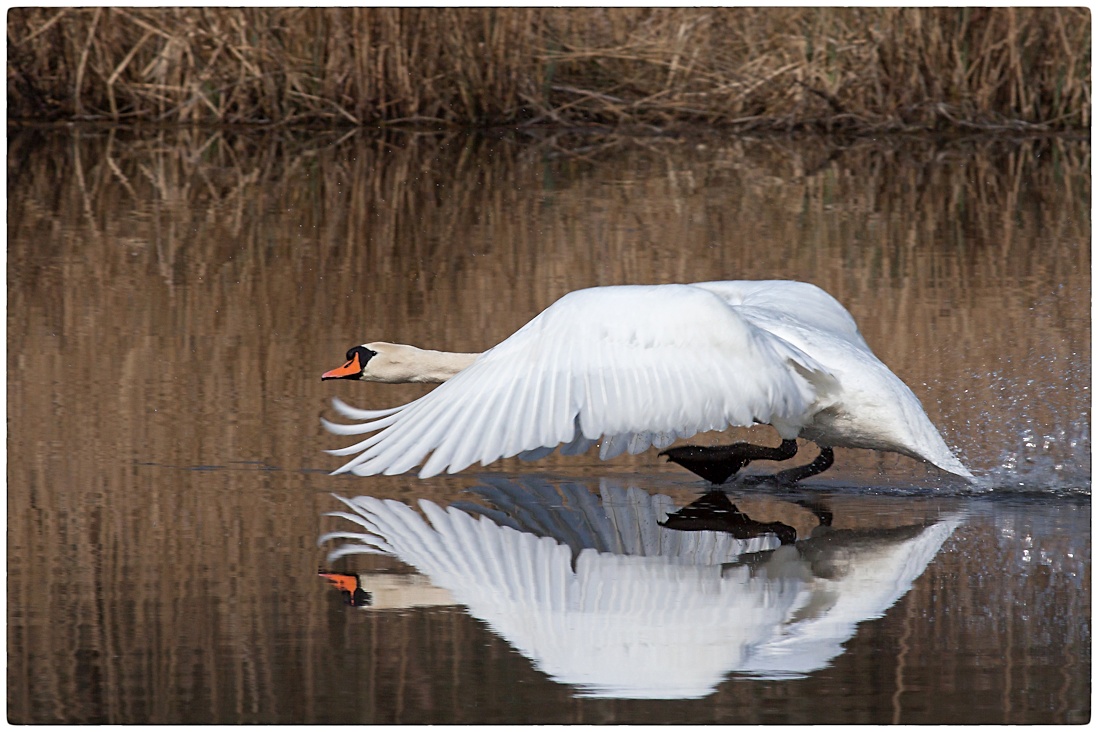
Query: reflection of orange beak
pixel 348 586
pixel 342 582
pixel 349 369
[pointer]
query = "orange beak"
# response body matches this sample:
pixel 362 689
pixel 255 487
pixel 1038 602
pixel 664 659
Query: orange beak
pixel 349 370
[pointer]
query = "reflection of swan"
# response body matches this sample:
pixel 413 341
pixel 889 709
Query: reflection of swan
pixel 645 365
pixel 667 615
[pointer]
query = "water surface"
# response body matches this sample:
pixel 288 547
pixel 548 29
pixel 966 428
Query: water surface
pixel 173 298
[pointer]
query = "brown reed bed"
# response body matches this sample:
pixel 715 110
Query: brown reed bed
pixel 848 69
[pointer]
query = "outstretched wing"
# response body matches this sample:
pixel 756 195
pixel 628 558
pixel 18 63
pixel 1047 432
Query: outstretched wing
pixel 635 365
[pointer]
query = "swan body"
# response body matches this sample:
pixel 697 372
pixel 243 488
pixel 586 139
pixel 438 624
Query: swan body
pixel 640 366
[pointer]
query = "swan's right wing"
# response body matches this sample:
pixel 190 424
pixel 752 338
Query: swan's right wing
pixel 636 365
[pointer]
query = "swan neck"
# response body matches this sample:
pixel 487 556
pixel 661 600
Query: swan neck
pixel 401 364
pixel 435 367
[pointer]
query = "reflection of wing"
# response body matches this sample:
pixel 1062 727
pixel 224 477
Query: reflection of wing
pixel 657 616
pixel 567 512
pixel 862 581
pixel 625 521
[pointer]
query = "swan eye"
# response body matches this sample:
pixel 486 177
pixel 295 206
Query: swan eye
pixel 364 354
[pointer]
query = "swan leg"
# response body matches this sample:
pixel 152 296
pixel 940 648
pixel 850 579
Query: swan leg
pixel 719 463
pixel 822 462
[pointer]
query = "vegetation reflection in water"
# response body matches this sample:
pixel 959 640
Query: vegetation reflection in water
pixel 603 595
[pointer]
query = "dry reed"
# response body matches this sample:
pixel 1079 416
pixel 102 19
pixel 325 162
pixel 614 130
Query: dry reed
pixel 853 69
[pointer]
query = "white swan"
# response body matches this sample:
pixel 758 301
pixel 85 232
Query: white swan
pixel 644 365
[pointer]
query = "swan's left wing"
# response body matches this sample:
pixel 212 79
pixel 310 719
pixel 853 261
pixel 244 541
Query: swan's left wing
pixel 771 303
pixel 636 365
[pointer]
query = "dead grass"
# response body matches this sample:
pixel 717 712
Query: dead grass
pixel 853 69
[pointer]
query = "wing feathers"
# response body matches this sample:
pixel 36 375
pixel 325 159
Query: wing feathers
pixel 352 413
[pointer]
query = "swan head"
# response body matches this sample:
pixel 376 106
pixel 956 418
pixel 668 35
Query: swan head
pixel 395 363
pixel 358 358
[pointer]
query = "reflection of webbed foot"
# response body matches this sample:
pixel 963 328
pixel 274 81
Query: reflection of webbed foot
pixel 719 463
pixel 822 513
pixel 714 512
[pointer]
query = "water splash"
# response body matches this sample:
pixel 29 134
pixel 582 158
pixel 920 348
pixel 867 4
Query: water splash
pixel 1056 460
pixel 1034 429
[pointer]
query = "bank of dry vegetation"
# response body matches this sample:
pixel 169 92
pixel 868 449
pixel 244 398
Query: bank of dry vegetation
pixel 854 69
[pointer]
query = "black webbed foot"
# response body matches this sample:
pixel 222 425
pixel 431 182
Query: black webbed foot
pixel 719 463
pixel 822 462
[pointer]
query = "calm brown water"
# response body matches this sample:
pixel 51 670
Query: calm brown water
pixel 173 299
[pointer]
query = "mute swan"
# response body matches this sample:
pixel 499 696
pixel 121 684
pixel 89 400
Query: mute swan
pixel 644 365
